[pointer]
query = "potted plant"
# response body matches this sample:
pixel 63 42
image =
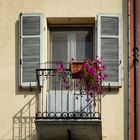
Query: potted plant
pixel 90 74
pixel 61 74
pixel 76 69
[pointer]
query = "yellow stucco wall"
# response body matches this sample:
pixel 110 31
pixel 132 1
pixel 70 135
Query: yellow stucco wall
pixel 13 99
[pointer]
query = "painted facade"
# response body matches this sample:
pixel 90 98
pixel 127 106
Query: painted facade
pixel 18 104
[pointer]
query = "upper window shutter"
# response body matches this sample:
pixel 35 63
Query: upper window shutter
pixel 108 48
pixel 30 47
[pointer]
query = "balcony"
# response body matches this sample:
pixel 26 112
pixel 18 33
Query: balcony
pixel 65 109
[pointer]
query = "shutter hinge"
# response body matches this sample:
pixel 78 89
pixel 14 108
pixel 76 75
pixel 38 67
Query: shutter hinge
pixel 109 88
pixel 20 62
pixel 30 87
pixel 120 62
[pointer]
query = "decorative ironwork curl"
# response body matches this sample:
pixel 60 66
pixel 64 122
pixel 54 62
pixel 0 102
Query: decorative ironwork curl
pixel 68 115
pixel 16 120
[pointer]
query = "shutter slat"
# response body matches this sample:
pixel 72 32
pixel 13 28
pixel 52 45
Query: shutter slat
pixel 109 25
pixel 31 25
pixel 29 72
pixel 112 68
pixel 31 50
pixel 109 49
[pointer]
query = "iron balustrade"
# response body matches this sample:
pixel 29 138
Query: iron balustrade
pixel 62 98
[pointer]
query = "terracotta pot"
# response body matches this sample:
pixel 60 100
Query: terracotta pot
pixel 76 69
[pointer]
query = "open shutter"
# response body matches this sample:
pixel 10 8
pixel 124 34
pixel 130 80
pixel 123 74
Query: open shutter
pixel 30 47
pixel 109 47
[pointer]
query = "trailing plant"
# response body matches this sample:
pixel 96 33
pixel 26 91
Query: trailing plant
pixel 92 75
pixel 62 74
pixel 89 74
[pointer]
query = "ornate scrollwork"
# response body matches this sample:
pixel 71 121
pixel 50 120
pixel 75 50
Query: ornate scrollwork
pixel 69 115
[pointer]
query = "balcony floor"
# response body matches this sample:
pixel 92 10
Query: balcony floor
pixel 68 129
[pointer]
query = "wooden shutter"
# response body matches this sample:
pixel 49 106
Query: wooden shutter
pixel 108 34
pixel 30 47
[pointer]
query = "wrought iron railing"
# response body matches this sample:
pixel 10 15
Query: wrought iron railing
pixel 59 99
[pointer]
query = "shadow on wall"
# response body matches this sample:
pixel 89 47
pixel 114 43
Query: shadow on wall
pixel 23 122
pixel 17 56
pixel 23 126
pixel 19 90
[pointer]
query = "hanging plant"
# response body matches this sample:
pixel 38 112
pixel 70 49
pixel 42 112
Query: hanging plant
pixel 90 75
pixel 76 69
pixel 61 74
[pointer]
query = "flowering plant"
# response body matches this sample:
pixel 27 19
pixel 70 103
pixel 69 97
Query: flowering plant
pixel 90 75
pixel 62 74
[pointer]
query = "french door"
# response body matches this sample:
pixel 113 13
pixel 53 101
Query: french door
pixel 67 43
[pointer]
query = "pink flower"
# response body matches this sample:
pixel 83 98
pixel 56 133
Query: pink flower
pixel 90 77
pixel 60 67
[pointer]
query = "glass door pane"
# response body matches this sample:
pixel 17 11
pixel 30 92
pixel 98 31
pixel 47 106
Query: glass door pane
pixel 84 45
pixel 59 43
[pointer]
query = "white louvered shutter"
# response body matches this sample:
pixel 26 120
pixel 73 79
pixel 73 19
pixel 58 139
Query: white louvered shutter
pixel 30 47
pixel 109 35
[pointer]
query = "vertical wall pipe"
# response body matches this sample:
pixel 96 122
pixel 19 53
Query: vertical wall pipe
pixel 135 61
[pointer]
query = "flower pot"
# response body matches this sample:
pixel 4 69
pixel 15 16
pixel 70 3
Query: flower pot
pixel 76 69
